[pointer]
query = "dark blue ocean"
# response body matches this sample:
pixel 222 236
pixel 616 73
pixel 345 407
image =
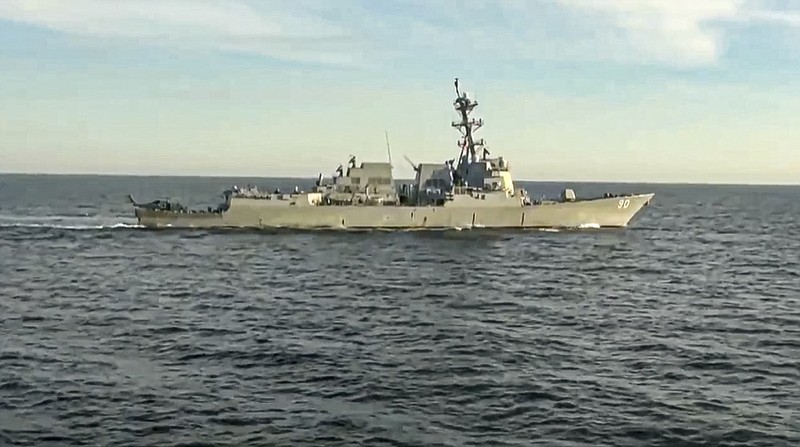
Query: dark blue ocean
pixel 681 330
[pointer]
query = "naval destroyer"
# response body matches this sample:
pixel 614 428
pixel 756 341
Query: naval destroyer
pixel 476 191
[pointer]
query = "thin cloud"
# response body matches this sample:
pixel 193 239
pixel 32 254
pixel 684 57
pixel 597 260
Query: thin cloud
pixel 666 32
pixel 224 25
pixel 780 17
pixel 685 32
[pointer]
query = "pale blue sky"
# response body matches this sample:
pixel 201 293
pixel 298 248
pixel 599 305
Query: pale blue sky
pixel 617 90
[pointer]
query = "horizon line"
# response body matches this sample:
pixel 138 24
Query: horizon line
pixel 313 177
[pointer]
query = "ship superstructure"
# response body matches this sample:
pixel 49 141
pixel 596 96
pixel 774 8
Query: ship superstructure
pixel 473 190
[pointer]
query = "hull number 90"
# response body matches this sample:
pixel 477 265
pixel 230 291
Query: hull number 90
pixel 623 203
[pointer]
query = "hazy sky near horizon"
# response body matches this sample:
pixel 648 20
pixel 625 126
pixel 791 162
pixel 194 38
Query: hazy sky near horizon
pixel 610 90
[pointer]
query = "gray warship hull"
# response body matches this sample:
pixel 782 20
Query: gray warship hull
pixel 476 191
pixel 263 214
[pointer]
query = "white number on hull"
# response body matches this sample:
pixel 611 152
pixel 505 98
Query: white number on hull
pixel 624 203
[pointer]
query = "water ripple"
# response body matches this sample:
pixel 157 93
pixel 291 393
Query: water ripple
pixel 681 330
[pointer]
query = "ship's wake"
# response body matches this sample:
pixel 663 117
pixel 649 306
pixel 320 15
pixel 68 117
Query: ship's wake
pixel 89 223
pixel 66 222
pixel 119 225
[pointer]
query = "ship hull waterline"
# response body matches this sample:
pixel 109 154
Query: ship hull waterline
pixel 244 213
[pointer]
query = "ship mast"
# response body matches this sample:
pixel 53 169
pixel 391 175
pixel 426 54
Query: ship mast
pixel 467 127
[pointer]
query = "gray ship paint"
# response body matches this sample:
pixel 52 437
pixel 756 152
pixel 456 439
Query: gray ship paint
pixel 475 191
